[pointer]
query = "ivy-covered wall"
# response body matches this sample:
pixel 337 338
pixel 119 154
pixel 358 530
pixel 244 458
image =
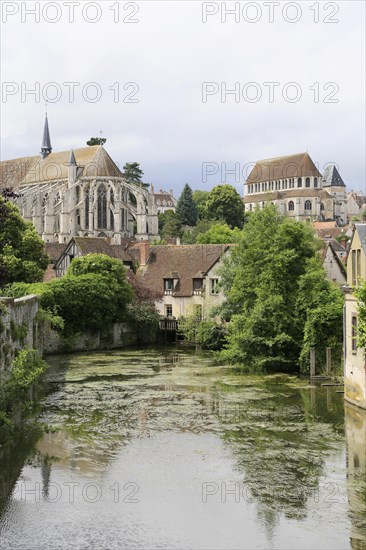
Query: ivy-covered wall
pixel 17 328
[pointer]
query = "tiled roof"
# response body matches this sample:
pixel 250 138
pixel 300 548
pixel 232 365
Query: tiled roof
pixel 186 260
pixel 94 160
pixel 331 233
pixel 290 166
pixel 324 225
pixel 12 172
pixel 100 245
pixel 54 250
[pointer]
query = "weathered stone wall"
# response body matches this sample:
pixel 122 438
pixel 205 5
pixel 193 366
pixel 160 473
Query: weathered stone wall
pixel 17 328
pixel 20 328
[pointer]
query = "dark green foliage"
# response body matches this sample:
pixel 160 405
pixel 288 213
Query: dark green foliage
pixel 209 334
pixel 96 141
pixel 22 255
pixel 93 294
pixel 133 173
pixel 171 225
pixel 145 319
pixel 200 198
pixel 224 203
pixel 279 301
pixel 186 207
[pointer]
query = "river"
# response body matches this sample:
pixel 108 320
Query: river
pixel 153 449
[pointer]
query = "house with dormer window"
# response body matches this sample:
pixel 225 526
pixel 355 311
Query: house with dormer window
pixel 186 275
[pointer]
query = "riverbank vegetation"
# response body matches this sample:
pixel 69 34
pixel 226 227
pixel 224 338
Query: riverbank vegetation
pixel 279 301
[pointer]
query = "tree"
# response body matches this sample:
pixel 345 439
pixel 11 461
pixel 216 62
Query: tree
pixel 224 203
pixel 200 198
pixel 133 173
pixel 218 233
pixel 22 254
pixel 93 294
pixel 96 141
pixel 186 207
pixel 172 227
pixel 164 217
pixel 278 299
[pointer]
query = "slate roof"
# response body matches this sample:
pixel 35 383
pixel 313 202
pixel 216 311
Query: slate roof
pixel 361 230
pixel 185 260
pixel 331 176
pixel 290 166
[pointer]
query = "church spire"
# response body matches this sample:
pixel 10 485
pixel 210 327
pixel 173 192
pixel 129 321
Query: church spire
pixel 46 148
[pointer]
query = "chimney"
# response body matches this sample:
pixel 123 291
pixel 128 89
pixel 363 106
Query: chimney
pixel 171 192
pixel 144 247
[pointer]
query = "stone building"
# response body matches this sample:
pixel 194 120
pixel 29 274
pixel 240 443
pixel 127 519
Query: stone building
pixel 79 193
pixel 187 276
pixel 164 200
pixel 354 356
pixel 297 188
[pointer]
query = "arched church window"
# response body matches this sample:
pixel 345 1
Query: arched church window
pixel 77 192
pixel 87 206
pixel 308 205
pixel 78 218
pixel 307 182
pixel 322 206
pixel 111 196
pixel 111 218
pixel 291 206
pixel 315 182
pixel 44 199
pixel 102 207
pixel 299 182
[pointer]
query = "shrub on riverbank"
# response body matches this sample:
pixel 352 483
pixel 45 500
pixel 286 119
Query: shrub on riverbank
pixel 93 294
pixel 279 301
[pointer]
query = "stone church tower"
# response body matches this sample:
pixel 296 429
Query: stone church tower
pixel 79 193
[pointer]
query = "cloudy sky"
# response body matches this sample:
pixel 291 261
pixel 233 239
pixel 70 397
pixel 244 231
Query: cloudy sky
pixel 154 78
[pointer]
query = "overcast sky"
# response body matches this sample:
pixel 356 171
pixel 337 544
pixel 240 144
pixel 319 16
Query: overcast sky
pixel 173 128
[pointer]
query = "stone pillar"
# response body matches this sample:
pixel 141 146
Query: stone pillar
pixel 312 362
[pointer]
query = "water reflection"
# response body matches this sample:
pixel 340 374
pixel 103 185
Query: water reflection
pixel 356 469
pixel 204 447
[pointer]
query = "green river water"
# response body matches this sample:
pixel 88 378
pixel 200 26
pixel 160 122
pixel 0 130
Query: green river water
pixel 163 449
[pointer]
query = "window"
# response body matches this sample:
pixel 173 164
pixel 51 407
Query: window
pixel 307 182
pixel 214 286
pixel 102 207
pixel 168 310
pixel 197 286
pixel 358 265
pixel 78 219
pixel 168 286
pixel 321 206
pixel 299 182
pixel 315 182
pixel 354 272
pixel 86 203
pixel 77 192
pixel 291 206
pixel 354 334
pixel 308 205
